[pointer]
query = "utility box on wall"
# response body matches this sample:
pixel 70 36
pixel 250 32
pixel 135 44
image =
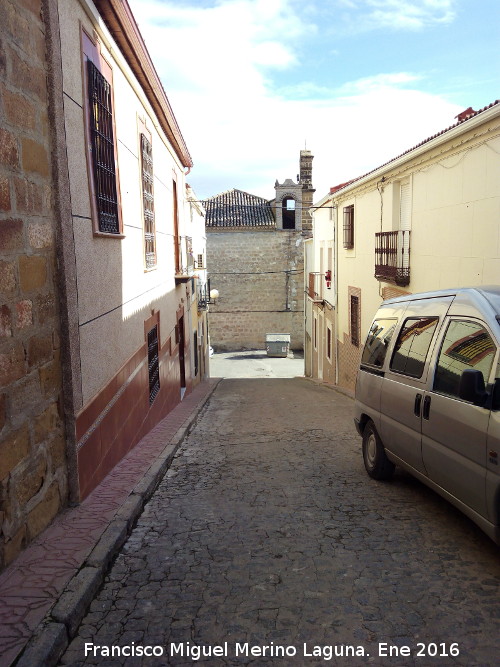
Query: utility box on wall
pixel 277 344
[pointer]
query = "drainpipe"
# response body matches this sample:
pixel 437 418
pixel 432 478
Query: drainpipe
pixel 336 287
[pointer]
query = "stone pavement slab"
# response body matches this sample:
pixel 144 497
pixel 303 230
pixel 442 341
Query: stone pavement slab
pixel 66 564
pixel 266 534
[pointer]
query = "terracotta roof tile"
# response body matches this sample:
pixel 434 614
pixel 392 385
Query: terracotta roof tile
pixel 236 208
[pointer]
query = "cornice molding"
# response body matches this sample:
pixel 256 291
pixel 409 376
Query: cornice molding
pixel 125 31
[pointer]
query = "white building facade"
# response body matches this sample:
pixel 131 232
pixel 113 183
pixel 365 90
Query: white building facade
pixel 130 256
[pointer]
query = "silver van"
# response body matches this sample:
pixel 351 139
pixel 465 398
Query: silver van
pixel 428 396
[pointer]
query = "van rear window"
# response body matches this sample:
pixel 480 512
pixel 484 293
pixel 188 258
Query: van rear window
pixel 413 345
pixel 377 342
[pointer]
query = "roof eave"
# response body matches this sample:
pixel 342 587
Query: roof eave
pixel 123 27
pixel 469 124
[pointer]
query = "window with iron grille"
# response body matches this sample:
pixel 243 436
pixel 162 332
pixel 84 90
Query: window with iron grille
pixel 349 226
pixel 354 320
pixel 148 202
pixel 153 364
pixel 103 150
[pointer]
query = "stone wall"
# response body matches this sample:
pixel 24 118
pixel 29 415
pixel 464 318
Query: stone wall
pixel 259 276
pixel 33 470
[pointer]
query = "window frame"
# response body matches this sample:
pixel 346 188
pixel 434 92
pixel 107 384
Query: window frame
pixel 446 328
pixel 144 132
pixel 370 338
pixel 286 213
pixel 91 50
pixel 150 324
pixel 176 234
pixel 329 340
pixel 355 321
pixel 348 227
pixel 428 354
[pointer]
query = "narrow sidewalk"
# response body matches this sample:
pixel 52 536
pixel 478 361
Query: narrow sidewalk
pixel 45 592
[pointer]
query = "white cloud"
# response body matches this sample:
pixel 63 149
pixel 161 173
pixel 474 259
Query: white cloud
pixel 403 14
pixel 216 63
pixel 378 82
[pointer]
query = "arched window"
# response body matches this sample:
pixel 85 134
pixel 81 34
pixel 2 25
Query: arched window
pixel 288 212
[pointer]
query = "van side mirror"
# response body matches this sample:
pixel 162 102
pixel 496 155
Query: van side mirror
pixel 471 387
pixel 495 403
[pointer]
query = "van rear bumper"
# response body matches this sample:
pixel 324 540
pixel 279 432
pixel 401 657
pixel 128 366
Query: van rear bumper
pixel 357 424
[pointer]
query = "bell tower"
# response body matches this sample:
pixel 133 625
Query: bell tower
pixel 305 180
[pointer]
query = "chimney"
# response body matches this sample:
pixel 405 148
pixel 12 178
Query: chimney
pixel 463 115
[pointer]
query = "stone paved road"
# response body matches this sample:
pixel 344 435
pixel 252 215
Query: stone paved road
pixel 266 532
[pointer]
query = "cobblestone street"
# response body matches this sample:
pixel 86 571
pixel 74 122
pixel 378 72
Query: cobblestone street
pixel 266 539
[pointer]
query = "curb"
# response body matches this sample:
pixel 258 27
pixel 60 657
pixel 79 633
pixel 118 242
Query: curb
pixel 320 383
pixel 60 625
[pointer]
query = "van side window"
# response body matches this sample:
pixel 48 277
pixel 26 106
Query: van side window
pixel 412 345
pixel 466 345
pixel 377 342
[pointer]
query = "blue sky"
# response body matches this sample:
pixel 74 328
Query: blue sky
pixel 252 82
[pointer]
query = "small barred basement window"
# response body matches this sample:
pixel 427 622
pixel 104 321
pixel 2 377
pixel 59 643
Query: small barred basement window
pixel 354 320
pixel 153 364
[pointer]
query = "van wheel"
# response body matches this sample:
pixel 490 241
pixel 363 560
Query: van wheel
pixel 376 462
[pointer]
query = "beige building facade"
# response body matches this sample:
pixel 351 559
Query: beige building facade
pixel 102 328
pixel 426 220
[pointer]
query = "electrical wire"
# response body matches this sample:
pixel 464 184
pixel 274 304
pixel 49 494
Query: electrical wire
pixel 294 272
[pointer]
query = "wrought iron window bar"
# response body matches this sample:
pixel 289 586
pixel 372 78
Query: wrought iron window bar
pixel 315 286
pixel 148 203
pixel 392 257
pixel 186 258
pixel 153 364
pixel 103 150
pixel 204 298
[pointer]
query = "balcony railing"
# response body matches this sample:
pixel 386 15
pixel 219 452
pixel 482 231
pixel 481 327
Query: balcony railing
pixel 184 258
pixel 392 257
pixel 320 286
pixel 315 286
pixel 206 296
pixel 203 296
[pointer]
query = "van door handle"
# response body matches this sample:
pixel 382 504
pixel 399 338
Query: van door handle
pixel 418 403
pixel 427 407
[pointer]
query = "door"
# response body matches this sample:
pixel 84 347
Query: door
pixel 493 461
pixel 321 352
pixel 182 351
pixel 403 390
pixel 454 432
